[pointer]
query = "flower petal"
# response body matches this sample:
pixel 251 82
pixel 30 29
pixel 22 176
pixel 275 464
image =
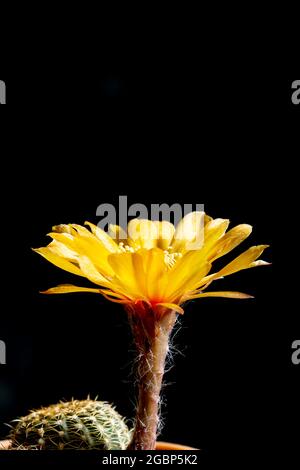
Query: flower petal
pixel 229 295
pixel 187 274
pixel 165 234
pixel 69 289
pixel 244 261
pixel 86 244
pixel 207 218
pixel 112 298
pixel 142 233
pixel 117 233
pixel 155 269
pixel 90 271
pixel 62 250
pixel 143 274
pixel 189 232
pixel 260 262
pixel 111 293
pixel 213 231
pixel 124 269
pixel 107 241
pixel 169 306
pixel 230 240
pixel 58 261
pixel 64 228
pixel 65 238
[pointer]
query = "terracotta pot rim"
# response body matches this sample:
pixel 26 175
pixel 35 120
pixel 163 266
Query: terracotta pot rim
pixel 4 445
pixel 162 445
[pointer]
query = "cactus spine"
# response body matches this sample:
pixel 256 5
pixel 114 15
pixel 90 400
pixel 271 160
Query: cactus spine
pixel 78 424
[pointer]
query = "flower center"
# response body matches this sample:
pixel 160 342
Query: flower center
pixel 170 258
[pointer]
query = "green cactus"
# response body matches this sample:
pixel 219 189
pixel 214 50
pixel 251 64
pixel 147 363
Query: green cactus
pixel 78 424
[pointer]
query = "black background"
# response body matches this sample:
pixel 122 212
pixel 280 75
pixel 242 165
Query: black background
pixel 228 140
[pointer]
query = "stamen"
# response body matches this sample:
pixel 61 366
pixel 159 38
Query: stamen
pixel 126 248
pixel 171 258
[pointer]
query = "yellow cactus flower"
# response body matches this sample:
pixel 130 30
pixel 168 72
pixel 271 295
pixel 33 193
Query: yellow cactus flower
pixel 152 264
pixel 153 269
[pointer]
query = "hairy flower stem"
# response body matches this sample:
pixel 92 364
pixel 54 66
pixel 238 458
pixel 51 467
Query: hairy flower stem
pixel 151 334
